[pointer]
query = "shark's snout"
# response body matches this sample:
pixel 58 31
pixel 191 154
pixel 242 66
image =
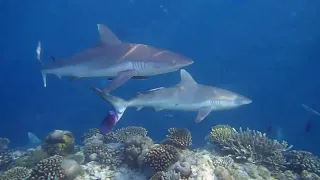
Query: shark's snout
pixel 241 100
pixel 186 62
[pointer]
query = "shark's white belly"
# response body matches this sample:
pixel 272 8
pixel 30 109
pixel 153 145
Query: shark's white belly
pixel 171 105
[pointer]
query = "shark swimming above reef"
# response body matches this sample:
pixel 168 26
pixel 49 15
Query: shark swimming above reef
pixel 187 95
pixel 117 60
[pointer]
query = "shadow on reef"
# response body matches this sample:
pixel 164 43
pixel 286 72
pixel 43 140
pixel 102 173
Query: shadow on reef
pixel 130 154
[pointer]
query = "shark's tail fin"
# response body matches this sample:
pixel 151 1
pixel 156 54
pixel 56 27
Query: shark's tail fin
pixel 119 104
pixel 38 51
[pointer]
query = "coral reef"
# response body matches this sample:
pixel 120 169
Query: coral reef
pixel 250 146
pixel 4 143
pixel 305 175
pixel 90 133
pixel 178 137
pixel 49 169
pixel 59 142
pixel 6 160
pixel 133 148
pixel 161 157
pixel 16 173
pixel 31 160
pixel 129 153
pixel 298 161
pixel 169 175
pixel 123 134
pixel 224 161
pixel 71 168
pixel 103 154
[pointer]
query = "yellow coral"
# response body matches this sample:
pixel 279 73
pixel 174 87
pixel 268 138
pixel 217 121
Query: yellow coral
pixel 220 133
pixel 68 139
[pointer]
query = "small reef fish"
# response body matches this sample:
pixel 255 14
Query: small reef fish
pixel 309 123
pixel 109 121
pixel 187 95
pixel 116 60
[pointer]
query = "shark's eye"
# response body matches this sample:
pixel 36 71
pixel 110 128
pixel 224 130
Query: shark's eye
pixel 173 62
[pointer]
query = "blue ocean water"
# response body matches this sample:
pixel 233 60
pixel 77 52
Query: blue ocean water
pixel 265 50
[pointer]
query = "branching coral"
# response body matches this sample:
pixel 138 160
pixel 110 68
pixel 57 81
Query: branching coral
pixel 16 173
pixel 252 146
pixel 4 143
pixel 161 157
pixel 220 134
pixel 299 161
pixel 121 135
pixel 59 143
pixel 179 137
pixel 225 161
pixel 49 169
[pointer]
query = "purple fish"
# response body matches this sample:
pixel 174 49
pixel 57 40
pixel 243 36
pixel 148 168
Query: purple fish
pixel 109 122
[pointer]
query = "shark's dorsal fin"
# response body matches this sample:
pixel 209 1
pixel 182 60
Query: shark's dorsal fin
pixel 186 78
pixel 107 36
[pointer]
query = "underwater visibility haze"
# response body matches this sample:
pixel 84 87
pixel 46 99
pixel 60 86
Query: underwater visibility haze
pixel 221 89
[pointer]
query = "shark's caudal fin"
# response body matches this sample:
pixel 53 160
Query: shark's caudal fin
pixel 38 51
pixel 119 104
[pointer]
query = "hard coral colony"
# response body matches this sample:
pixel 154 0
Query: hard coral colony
pixel 129 153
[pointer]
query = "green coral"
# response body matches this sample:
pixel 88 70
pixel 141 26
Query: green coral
pixel 220 133
pixel 59 143
pixel 179 137
pixel 16 173
pixel 250 146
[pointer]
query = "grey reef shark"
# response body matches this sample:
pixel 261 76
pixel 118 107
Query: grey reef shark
pixel 187 95
pixel 118 61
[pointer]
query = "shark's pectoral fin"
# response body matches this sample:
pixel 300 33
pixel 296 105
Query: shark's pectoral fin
pixel 122 78
pixel 107 36
pixel 203 113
